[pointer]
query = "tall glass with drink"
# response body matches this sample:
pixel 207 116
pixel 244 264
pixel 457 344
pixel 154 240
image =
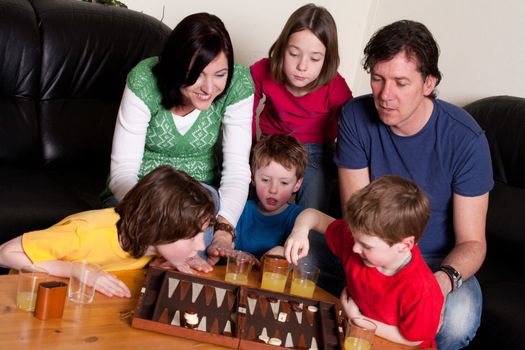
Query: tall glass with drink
pixel 359 334
pixel 275 273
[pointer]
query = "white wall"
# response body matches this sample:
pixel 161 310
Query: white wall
pixel 481 41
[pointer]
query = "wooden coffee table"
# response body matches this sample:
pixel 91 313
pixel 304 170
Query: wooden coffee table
pixel 105 324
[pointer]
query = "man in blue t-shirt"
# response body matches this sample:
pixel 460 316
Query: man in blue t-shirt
pixel 402 129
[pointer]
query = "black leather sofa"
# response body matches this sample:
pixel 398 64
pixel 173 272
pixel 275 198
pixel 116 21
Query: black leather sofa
pixel 502 276
pixel 63 66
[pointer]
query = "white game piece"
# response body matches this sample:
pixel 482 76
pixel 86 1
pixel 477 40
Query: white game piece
pixel 275 341
pixel 264 338
pixel 312 308
pixel 265 333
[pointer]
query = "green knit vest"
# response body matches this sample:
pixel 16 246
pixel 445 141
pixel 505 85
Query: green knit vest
pixel 193 152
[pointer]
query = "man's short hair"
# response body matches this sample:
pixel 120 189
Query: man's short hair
pixel 407 36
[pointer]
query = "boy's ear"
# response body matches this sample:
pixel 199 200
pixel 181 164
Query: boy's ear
pixel 297 185
pixel 407 243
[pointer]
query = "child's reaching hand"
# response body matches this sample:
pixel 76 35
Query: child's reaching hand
pixel 111 286
pixel 297 245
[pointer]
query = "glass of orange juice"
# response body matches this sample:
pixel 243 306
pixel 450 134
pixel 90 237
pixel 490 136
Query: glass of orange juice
pixel 359 334
pixel 275 273
pixel 304 279
pixel 238 267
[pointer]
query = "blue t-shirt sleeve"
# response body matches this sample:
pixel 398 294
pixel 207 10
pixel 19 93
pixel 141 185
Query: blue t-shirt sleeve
pixel 351 151
pixel 473 172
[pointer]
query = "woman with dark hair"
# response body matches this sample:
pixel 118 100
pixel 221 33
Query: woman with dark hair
pixel 173 108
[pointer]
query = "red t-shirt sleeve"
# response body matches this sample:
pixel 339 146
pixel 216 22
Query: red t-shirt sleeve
pixel 338 237
pixel 340 93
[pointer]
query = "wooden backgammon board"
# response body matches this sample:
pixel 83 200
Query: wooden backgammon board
pixel 218 312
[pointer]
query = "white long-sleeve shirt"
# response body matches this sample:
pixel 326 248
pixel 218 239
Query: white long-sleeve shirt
pixel 128 150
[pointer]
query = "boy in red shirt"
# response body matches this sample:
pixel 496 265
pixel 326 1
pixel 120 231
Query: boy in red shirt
pixel 387 280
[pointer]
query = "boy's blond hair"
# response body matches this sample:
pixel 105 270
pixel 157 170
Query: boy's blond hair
pixel 390 207
pixel 283 149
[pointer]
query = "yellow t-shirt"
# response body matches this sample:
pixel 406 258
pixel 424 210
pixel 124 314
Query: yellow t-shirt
pixel 90 235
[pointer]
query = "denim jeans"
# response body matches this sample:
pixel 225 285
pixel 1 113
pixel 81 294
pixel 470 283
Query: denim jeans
pixel 315 192
pixel 462 312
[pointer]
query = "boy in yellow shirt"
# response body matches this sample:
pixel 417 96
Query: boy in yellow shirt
pixel 164 215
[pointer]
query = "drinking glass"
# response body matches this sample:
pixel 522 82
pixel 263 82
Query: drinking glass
pixel 238 267
pixel 275 273
pixel 29 278
pixel 359 334
pixel 304 279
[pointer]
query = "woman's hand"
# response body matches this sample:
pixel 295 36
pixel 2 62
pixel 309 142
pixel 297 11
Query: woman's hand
pixel 220 246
